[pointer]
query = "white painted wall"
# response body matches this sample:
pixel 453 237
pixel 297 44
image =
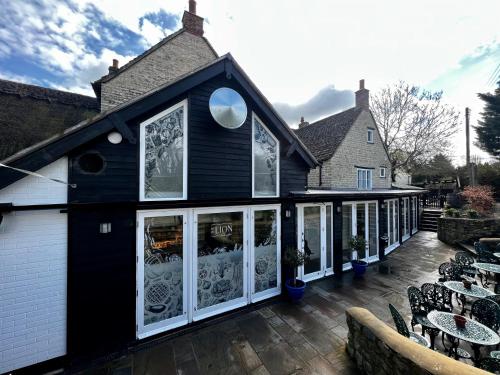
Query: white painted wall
pixel 34 190
pixel 33 268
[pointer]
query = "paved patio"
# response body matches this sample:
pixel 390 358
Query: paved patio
pixel 282 338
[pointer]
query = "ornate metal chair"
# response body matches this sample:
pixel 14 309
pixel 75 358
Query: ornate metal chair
pixel 466 260
pixel 495 297
pixel 443 271
pixel 402 328
pixel 443 298
pixel 490 364
pixel 419 310
pixel 487 312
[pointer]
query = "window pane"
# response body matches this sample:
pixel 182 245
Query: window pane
pixel 163 268
pixel 265 161
pixel 163 162
pixel 312 238
pixel 328 236
pixel 346 233
pixel 361 225
pixel 396 222
pixel 392 235
pixel 369 179
pixel 220 258
pixel 372 227
pixel 265 239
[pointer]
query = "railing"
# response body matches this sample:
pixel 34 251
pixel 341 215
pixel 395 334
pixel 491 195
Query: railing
pixel 433 200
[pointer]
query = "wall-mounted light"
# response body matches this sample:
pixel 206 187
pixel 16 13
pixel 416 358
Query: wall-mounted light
pixel 105 228
pixel 382 205
pixel 288 213
pixel 339 209
pixel 115 138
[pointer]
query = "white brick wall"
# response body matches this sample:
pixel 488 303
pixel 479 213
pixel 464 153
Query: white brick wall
pixel 34 190
pixel 33 267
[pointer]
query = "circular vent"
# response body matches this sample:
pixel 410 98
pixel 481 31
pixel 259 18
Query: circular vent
pixel 91 162
pixel 228 108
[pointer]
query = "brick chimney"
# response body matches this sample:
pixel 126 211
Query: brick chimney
pixel 113 68
pixel 363 96
pixel 191 22
pixel 302 123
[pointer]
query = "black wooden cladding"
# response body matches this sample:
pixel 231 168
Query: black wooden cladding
pixel 101 282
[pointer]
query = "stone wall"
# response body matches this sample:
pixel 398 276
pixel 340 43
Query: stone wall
pixel 452 230
pixel 378 349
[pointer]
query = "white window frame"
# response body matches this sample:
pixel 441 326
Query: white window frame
pixel 143 331
pixel 254 117
pixel 383 172
pixel 142 150
pixel 369 135
pixel 369 178
pixel 395 217
pixel 354 227
pixel 268 293
pixel 324 271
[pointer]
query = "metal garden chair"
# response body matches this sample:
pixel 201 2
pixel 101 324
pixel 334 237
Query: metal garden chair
pixel 466 260
pixel 490 364
pixel 437 297
pixel 487 312
pixel 443 271
pixel 402 328
pixel 419 310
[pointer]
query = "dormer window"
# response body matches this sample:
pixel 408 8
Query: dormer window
pixel 265 160
pixel 369 135
pixel 163 154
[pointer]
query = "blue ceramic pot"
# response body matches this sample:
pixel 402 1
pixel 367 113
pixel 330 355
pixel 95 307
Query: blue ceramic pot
pixel 359 267
pixel 295 292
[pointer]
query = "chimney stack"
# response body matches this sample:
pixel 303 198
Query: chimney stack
pixel 191 22
pixel 363 96
pixel 302 123
pixel 113 68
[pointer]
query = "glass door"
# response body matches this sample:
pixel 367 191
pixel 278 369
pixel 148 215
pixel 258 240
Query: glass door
pixel 414 225
pixel 314 222
pixel 161 272
pixel 219 261
pixel 265 257
pixel 392 214
pixel 406 218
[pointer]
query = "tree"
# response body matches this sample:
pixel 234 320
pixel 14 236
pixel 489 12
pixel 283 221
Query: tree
pixel 415 124
pixel 438 168
pixel 488 129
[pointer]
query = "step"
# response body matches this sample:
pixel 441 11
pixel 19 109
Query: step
pixel 431 214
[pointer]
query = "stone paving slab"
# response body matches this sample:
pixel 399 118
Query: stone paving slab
pixel 283 338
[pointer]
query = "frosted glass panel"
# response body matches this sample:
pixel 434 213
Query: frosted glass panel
pixel 328 236
pixel 163 268
pixel 312 238
pixel 265 240
pixel 163 160
pixel 220 258
pixel 265 161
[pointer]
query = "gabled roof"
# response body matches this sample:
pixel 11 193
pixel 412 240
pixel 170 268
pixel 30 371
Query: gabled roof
pixel 31 113
pixel 323 137
pixel 96 85
pixel 46 152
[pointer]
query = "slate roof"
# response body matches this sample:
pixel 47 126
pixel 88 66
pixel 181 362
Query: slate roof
pixel 30 114
pixel 323 137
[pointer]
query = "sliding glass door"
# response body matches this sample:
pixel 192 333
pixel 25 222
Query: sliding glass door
pixel 392 215
pixel 315 239
pixel 406 218
pixel 162 286
pixel 414 212
pixel 360 219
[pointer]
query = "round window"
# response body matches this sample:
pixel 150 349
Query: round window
pixel 91 162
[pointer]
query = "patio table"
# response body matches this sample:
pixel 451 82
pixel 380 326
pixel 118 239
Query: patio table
pixel 497 255
pixel 475 333
pixel 488 268
pixel 474 292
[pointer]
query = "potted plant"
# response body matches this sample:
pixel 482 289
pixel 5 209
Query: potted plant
pixel 294 258
pixel 358 245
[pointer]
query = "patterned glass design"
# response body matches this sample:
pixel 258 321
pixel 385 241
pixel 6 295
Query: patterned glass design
pixel 266 248
pixel 164 154
pixel 220 258
pixel 265 161
pixel 163 268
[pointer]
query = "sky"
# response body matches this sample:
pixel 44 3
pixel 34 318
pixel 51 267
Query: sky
pixel 307 57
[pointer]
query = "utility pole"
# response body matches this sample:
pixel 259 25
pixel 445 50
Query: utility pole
pixel 470 167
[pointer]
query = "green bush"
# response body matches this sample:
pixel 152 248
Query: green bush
pixel 471 214
pixel 451 212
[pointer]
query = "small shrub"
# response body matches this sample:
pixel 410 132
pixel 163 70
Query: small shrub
pixel 479 198
pixel 471 214
pixel 452 212
pixel 456 213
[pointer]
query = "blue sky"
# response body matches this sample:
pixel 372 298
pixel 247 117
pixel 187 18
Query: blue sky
pixel 306 56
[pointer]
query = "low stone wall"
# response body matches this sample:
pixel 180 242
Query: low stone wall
pixel 378 349
pixel 452 230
